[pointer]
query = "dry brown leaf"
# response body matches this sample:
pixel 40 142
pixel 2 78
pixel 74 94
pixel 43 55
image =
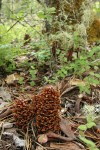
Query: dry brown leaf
pixel 4 96
pixel 6 125
pixel 77 82
pixel 7 112
pixel 11 78
pixel 66 146
pixel 39 148
pixel 62 86
pixel 65 126
pixel 22 59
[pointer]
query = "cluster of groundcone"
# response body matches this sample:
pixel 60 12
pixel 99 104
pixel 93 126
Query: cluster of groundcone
pixel 44 109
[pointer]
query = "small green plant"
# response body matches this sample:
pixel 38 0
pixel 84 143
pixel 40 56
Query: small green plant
pixel 90 123
pixel 9 47
pixel 82 128
pixel 84 63
pixel 96 8
pixel 21 80
pixel 33 72
pixel 6 57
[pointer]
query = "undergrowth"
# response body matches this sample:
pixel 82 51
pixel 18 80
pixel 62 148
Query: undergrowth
pixel 51 60
pixel 85 57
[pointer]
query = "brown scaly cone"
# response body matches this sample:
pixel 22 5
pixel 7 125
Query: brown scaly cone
pixel 44 110
pixel 47 110
pixel 22 113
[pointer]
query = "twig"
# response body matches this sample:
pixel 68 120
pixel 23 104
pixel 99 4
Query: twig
pixel 95 60
pixel 3 144
pixel 52 135
pixel 66 129
pixel 6 113
pixel 77 105
pixel 1 131
pixel 40 145
pixel 12 25
pixel 79 144
pixel 28 143
pixel 33 130
pixel 15 23
pixel 68 90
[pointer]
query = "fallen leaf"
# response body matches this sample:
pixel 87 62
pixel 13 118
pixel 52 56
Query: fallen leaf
pixel 6 113
pixel 12 78
pixel 6 125
pixel 77 105
pixel 2 105
pixel 77 82
pixel 17 141
pixel 22 59
pixel 65 126
pixel 4 95
pixel 66 146
pixel 39 148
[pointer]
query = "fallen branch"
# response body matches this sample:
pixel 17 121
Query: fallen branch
pixel 7 112
pixel 68 90
pixel 66 128
pixel 51 136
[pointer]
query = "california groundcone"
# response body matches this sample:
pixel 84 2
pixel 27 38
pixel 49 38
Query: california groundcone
pixel 44 109
pixel 47 110
pixel 22 113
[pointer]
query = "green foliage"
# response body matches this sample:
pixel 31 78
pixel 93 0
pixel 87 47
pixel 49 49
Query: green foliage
pixel 46 14
pixel 43 54
pixel 69 36
pixel 9 48
pixel 6 57
pixel 21 80
pixel 32 20
pixel 89 143
pixel 90 123
pixel 33 73
pixel 82 128
pixel 87 126
pixel 96 8
pixel 80 65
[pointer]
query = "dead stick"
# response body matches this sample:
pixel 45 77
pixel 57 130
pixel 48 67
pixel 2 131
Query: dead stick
pixel 52 135
pixel 68 90
pixel 6 113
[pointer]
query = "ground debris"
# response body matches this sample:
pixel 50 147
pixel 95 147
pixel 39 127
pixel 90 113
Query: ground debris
pixel 66 146
pixel 72 115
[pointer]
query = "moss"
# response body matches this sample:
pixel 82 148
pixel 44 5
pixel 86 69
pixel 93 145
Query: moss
pixel 93 31
pixel 70 9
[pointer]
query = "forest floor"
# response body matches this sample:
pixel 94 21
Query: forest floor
pixel 74 110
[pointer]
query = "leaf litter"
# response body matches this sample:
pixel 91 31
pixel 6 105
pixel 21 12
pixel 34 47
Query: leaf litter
pixel 72 116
